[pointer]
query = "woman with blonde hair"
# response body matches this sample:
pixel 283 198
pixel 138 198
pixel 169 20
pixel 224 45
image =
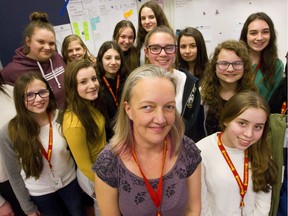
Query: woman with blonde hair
pixel 149 142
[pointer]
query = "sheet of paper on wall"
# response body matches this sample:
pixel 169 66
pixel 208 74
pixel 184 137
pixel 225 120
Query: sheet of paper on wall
pixel 61 32
pixel 206 32
pixel 94 20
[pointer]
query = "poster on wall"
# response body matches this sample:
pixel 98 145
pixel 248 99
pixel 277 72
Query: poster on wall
pixel 94 20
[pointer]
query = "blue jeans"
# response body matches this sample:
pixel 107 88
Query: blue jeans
pixel 70 196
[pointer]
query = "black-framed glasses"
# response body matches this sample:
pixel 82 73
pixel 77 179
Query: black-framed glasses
pixel 30 96
pixel 237 65
pixel 156 49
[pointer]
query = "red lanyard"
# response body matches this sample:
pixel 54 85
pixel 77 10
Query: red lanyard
pixel 284 107
pixel 48 154
pixel 155 196
pixel 115 96
pixel 256 69
pixel 242 185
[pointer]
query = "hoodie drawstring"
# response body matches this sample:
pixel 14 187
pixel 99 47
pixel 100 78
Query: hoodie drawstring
pixel 53 72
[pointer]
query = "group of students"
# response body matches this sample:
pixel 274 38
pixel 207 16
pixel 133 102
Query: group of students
pixel 126 127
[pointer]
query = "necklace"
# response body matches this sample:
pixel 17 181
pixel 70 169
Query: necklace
pixel 155 196
pixel 115 96
pixel 242 185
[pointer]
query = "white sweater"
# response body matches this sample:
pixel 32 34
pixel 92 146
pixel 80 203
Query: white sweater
pixel 220 191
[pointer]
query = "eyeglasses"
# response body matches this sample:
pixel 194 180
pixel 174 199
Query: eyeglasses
pixel 30 96
pixel 224 65
pixel 157 49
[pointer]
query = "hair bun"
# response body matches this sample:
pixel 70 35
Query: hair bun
pixel 39 17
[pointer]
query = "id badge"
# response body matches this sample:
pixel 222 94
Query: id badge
pixel 55 183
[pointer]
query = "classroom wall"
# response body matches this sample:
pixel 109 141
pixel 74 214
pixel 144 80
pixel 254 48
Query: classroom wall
pixel 223 17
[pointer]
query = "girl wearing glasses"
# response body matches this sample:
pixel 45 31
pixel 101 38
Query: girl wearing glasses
pixel 259 35
pixel 160 50
pixel 227 73
pixel 35 155
pixel 237 167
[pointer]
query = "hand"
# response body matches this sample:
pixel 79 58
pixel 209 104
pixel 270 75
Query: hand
pixel 6 209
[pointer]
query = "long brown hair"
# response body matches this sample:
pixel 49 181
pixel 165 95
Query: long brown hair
pixel 210 85
pixel 201 59
pixel 23 129
pixel 160 17
pixel 269 54
pixel 76 104
pixel 263 167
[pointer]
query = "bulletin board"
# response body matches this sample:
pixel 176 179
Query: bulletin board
pixel 94 20
pixel 220 20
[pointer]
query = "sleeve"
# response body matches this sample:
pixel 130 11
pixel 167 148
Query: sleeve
pixel 205 211
pixel 192 155
pixel 262 204
pixel 76 139
pixel 13 169
pixel 105 168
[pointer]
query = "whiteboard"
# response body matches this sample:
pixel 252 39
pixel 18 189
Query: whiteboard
pixel 94 20
pixel 220 20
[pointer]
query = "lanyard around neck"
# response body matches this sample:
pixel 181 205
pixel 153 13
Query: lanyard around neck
pixel 115 96
pixel 48 154
pixel 255 70
pixel 242 185
pixel 155 196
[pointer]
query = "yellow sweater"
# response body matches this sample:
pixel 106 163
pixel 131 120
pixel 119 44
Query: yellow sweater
pixel 84 154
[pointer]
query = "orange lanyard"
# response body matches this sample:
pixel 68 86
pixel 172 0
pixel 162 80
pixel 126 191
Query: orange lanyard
pixel 48 154
pixel 284 107
pixel 255 70
pixel 155 196
pixel 115 96
pixel 242 185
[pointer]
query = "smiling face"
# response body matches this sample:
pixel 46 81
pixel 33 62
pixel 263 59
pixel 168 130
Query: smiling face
pixel 39 104
pixel 111 62
pixel 87 83
pixel 152 110
pixel 230 75
pixel 41 44
pixel 162 59
pixel 188 48
pixel 126 39
pixel 258 35
pixel 148 19
pixel 245 130
pixel 75 51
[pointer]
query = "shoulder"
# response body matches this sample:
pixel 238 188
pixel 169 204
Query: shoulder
pixel 70 119
pixel 190 154
pixel 58 60
pixel 206 143
pixel 106 166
